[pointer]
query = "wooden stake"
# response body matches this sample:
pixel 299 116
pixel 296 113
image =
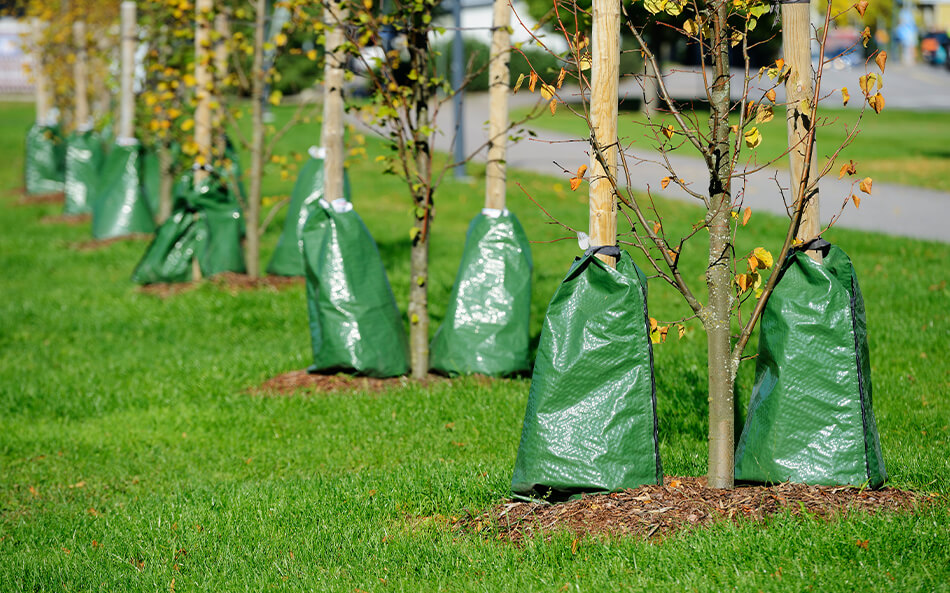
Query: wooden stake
pixel 39 74
pixel 332 135
pixel 80 75
pixel 799 93
pixel 204 85
pixel 127 100
pixel 222 27
pixel 605 74
pixel 495 170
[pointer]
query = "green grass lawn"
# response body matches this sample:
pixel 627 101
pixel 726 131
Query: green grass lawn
pixel 133 459
pixel 896 146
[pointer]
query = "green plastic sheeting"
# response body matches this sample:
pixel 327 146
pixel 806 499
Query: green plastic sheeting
pixel 84 159
pixel 45 163
pixel 151 178
pixel 355 325
pixel 308 190
pixel 810 416
pixel 590 424
pixel 486 327
pixel 206 224
pixel 121 207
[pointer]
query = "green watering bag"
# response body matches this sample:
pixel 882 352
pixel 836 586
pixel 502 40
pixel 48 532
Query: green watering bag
pixel 121 206
pixel 308 190
pixel 45 163
pixel 206 224
pixel 486 327
pixel 810 416
pixel 590 424
pixel 355 325
pixel 84 159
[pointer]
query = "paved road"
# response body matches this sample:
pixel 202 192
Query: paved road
pixel 891 209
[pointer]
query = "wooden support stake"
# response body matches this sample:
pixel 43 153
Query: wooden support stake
pixel 43 102
pixel 80 76
pixel 495 170
pixel 605 74
pixel 222 28
pixel 204 85
pixel 799 93
pixel 332 135
pixel 127 100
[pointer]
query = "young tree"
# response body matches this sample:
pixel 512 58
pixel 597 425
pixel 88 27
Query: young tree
pixel 731 278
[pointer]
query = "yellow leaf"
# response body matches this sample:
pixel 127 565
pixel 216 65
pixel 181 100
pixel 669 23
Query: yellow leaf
pixel 581 171
pixel 189 79
pixel 690 27
pixel 752 137
pixel 780 64
pixel 312 55
pixel 547 91
pixel 770 94
pixel 275 98
pixel 763 256
pixel 664 182
pixel 560 77
pixel 681 330
pixel 584 63
pixel 847 169
pixel 553 106
pixel 865 185
pixel 856 200
pixel 876 102
pixel 368 4
pixel 187 125
pixel 746 216
pixel 753 262
pixel 657 227
pixel 861 7
pixel 281 39
pixel 532 81
pixel 764 114
pixel 881 59
pixel 668 131
pixel 518 83
pixel 742 281
pixel 653 324
pixel 575 183
pixel 865 36
pixel 845 95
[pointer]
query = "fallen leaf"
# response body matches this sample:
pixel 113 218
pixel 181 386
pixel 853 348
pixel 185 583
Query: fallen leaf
pixel 78 484
pixel 865 185
pixel 574 545
pixel 862 543
pixel 675 484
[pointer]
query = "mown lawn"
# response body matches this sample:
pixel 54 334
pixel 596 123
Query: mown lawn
pixel 133 459
pixel 895 146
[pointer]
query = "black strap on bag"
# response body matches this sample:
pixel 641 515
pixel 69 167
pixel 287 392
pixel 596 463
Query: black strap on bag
pixel 608 250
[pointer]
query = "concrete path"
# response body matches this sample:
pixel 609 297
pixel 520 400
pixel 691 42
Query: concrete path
pixel 891 209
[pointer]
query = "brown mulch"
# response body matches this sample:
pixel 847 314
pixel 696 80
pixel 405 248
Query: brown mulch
pixel 56 197
pixel 302 382
pixel 165 290
pixel 682 503
pixel 93 244
pixel 67 219
pixel 235 283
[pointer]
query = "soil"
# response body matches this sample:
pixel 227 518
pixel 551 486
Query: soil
pixel 681 503
pixel 67 219
pixel 302 382
pixel 93 244
pixel 235 283
pixel 39 199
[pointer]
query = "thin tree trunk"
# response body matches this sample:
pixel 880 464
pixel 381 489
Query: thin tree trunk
pixel 222 27
pixel 81 76
pixel 796 44
pixel 332 130
pixel 716 316
pixel 495 169
pixel 422 198
pixel 203 83
pixel 39 73
pixel 252 213
pixel 605 72
pixel 127 105
pixel 165 184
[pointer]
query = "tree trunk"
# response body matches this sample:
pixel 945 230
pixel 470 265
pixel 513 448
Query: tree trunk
pixel 605 73
pixel 222 27
pixel 422 200
pixel 127 105
pixel 80 76
pixel 495 168
pixel 717 314
pixel 333 78
pixel 166 183
pixel 796 48
pixel 252 212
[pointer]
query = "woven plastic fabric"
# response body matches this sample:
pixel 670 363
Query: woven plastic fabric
pixel 355 325
pixel 810 416
pixel 486 328
pixel 45 163
pixel 84 160
pixel 206 224
pixel 304 199
pixel 590 424
pixel 120 207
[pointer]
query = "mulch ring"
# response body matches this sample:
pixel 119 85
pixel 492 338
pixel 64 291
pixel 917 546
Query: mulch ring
pixel 67 219
pixel 302 382
pixel 235 283
pixel 94 244
pixel 56 197
pixel 681 503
